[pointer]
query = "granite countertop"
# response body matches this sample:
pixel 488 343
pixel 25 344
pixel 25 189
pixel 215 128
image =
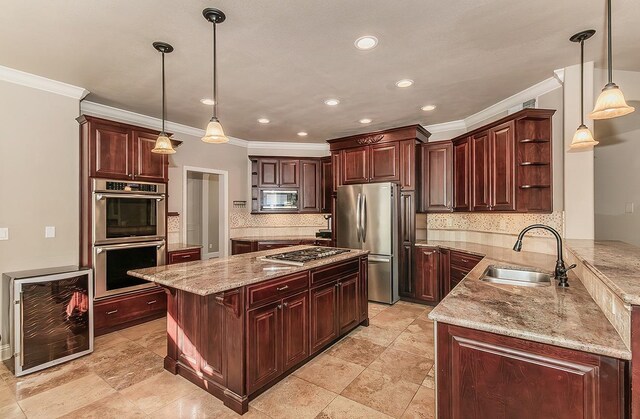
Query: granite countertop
pixel 616 263
pixel 212 276
pixel 278 238
pixel 175 247
pixel 566 317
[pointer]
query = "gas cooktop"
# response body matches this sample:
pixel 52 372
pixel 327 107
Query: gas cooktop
pixel 299 257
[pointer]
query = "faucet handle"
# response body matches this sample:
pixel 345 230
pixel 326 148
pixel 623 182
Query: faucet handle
pixel 565 270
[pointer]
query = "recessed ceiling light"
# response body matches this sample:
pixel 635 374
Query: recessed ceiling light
pixel 207 101
pixel 263 120
pixel 302 134
pixel 365 121
pixel 331 102
pixel 366 42
pixel 428 108
pixel 404 83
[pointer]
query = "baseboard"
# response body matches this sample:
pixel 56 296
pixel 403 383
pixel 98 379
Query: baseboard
pixel 5 352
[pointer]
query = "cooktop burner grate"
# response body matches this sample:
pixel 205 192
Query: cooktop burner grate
pixel 299 257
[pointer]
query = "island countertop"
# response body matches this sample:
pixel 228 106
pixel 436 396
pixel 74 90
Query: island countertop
pixel 566 317
pixel 205 277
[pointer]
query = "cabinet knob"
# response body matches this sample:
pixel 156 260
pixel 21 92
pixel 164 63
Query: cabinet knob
pixel 279 306
pixel 282 288
pixel 338 284
pixel 285 305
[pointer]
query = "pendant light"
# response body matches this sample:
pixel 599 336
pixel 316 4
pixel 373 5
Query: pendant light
pixel 582 139
pixel 610 103
pixel 214 133
pixel 163 143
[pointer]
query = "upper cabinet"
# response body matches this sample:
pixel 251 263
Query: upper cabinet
pixel 326 181
pixel 278 173
pixel 504 166
pixel 385 156
pixel 120 151
pixel 437 177
pixel 311 189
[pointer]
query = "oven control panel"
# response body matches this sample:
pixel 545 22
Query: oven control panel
pixel 131 187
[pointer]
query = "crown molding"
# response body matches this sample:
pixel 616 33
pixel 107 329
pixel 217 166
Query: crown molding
pixel 262 145
pixel 504 105
pixel 14 76
pixel 446 126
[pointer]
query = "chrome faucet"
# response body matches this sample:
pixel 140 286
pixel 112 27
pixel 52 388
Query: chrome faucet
pixel 561 270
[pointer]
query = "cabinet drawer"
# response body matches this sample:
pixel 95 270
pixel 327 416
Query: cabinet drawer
pixel 457 275
pixel 464 260
pixel 184 256
pixel 275 289
pixel 275 245
pixel 329 273
pixel 114 311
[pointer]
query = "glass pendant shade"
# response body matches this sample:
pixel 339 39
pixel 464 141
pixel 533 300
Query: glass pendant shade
pixel 163 145
pixel 215 133
pixel 582 139
pixel 611 104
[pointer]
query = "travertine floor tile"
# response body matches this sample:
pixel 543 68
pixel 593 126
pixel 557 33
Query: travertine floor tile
pixel 157 391
pixel 108 340
pixel 114 406
pixel 329 372
pixel 140 330
pixel 38 382
pixel 66 398
pixel 381 392
pixel 417 339
pixel 343 408
pixel 357 351
pixel 396 319
pixel 422 406
pixel 375 309
pixel 156 342
pixel 7 397
pixel 202 405
pixel 293 398
pixel 402 365
pixel 430 379
pixel 11 411
pixel 375 334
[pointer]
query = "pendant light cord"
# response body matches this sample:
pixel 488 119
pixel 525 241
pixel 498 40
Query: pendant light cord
pixel 609 36
pixel 215 76
pixel 164 100
pixel 582 82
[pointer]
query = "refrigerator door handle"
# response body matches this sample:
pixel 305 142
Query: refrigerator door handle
pixel 358 205
pixel 382 259
pixel 363 218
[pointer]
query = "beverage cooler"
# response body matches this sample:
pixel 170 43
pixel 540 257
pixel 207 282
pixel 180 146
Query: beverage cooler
pixel 49 313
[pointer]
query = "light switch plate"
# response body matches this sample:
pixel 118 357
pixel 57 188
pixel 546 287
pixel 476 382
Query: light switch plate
pixel 4 233
pixel 49 232
pixel 628 208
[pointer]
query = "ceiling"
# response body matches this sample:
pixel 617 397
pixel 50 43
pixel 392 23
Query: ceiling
pixel 281 59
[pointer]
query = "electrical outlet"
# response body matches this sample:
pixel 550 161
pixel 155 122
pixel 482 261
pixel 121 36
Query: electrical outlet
pixel 49 232
pixel 628 208
pixel 210 246
pixel 4 233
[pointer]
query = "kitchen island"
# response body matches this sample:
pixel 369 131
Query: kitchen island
pixel 237 325
pixel 512 351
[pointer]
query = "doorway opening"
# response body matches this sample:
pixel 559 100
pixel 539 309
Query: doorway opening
pixel 206 213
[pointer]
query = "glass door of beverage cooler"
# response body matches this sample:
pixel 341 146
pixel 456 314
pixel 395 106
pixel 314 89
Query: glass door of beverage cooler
pixel 53 320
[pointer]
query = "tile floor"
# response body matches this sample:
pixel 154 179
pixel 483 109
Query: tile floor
pixel 381 371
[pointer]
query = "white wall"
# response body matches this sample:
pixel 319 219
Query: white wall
pixel 213 213
pixel 39 179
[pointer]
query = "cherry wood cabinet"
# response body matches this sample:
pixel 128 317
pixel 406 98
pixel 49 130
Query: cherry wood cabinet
pixel 437 177
pixel 295 330
pixel 502 167
pixel 384 164
pixel 289 171
pixel 128 310
pixel 264 342
pixel 444 273
pixel 348 303
pixel 462 174
pixel 408 165
pixel 241 246
pixel 326 183
pixel 179 256
pixel 484 375
pixel 427 275
pixel 268 173
pixel 113 150
pixel 312 190
pixel 480 172
pixel 324 323
pixel 407 238
pixel 355 165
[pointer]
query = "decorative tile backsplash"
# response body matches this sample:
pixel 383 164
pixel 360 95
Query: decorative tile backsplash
pixel 492 223
pixel 243 219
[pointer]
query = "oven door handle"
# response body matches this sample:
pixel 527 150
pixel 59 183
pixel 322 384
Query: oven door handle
pixel 158 244
pixel 101 196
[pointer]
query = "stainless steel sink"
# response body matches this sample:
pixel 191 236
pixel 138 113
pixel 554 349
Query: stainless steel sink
pixel 513 276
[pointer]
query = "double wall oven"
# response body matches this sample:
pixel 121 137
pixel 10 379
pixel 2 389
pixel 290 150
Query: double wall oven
pixel 129 230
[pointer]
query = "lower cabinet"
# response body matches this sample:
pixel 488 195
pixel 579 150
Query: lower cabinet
pixel 239 247
pixel 122 311
pixel 348 310
pixel 427 278
pixel 179 256
pixel 324 323
pixel 484 375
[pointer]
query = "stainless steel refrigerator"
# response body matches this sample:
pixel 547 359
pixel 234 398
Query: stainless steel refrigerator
pixel 367 218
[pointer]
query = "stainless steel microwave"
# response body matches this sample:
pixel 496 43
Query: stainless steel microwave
pixel 279 199
pixel 125 212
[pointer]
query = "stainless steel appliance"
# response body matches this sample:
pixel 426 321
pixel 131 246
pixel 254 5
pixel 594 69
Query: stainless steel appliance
pixel 111 263
pixel 49 313
pixel 367 218
pixel 124 212
pixel 299 257
pixel 279 199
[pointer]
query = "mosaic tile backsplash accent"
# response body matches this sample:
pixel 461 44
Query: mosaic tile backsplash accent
pixel 491 223
pixel 243 219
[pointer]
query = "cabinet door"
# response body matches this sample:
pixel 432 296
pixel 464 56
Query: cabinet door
pixel 324 319
pixel 437 171
pixel 355 165
pixel 111 148
pixel 311 189
pixel 336 158
pixel 268 173
pixel 148 166
pixel 384 163
pixel 239 247
pixel 264 345
pixel 348 310
pixel 405 285
pixel 326 184
pixel 427 279
pixel 289 173
pixel 407 238
pixel 462 175
pixel 295 329
pixel 502 172
pixel 363 289
pixel 480 172
pixel 408 165
pixel 212 343
pixel 445 272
